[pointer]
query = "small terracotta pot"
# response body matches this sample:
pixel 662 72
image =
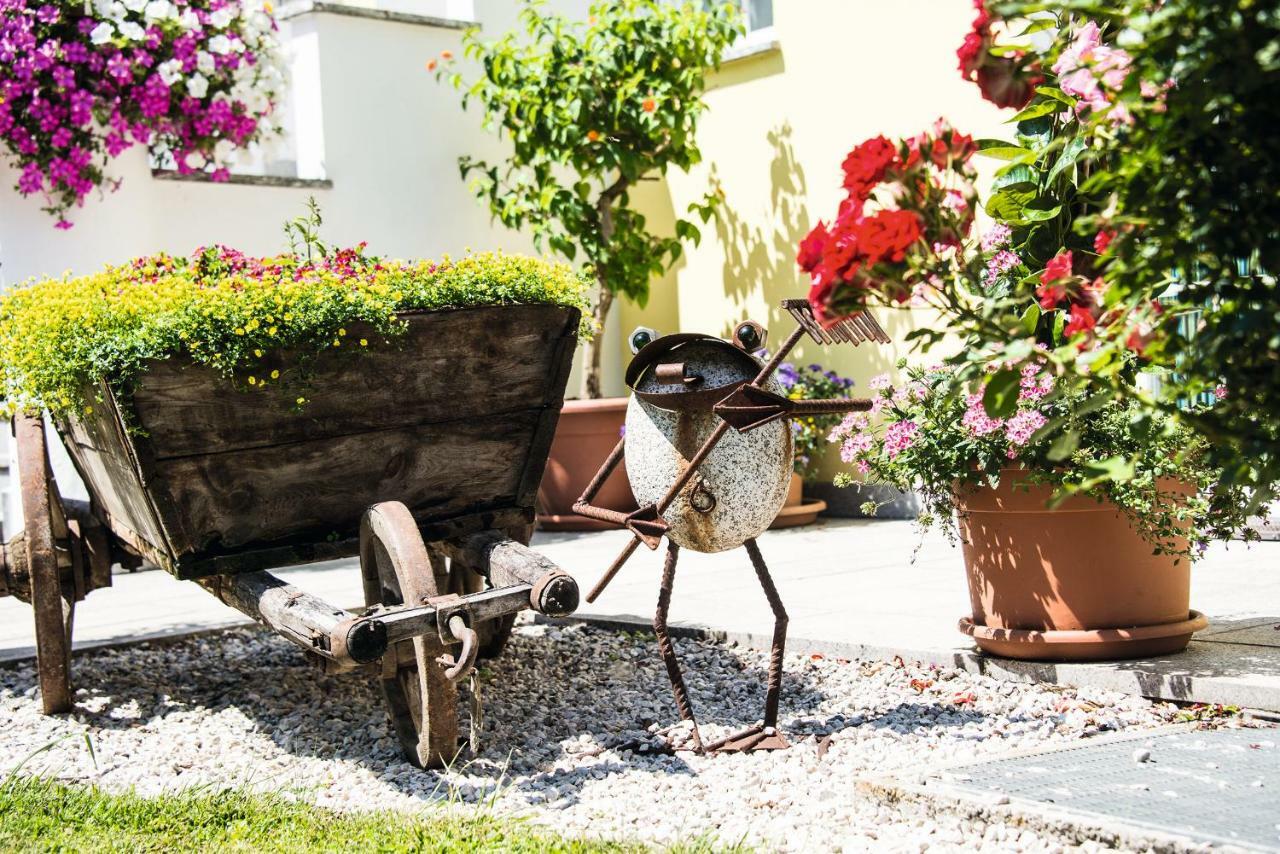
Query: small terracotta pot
pixel 796 511
pixel 586 433
pixel 1074 583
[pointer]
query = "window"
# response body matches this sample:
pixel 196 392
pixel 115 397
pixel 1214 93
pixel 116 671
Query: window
pixel 759 14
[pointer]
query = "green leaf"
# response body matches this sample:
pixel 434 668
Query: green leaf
pixel 1031 213
pixel 1031 318
pixel 1035 111
pixel 1070 153
pixel 1001 150
pixel 1038 25
pixel 1118 468
pixel 1056 93
pixel 1059 323
pixel 1064 446
pixel 1000 397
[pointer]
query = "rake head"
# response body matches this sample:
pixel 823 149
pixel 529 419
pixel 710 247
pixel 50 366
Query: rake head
pixel 853 329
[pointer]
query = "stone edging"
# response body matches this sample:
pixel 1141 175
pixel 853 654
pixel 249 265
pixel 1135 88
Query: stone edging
pixel 247 180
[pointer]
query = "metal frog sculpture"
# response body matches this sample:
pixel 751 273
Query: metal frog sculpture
pixel 708 450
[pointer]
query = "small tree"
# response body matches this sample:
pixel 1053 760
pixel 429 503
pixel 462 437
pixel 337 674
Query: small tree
pixel 591 109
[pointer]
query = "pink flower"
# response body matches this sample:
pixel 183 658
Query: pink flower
pixel 999 264
pixel 899 437
pixel 1220 393
pixel 863 466
pixel 997 236
pixel 977 420
pixel 879 382
pixel 1023 425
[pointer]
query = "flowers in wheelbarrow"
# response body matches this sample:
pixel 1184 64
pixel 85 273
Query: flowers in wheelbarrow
pixel 257 320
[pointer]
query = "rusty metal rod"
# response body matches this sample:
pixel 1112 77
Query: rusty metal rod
pixel 829 406
pixel 609 573
pixel 778 648
pixel 667 648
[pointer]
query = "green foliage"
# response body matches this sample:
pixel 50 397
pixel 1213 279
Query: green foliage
pixel 43 815
pixel 931 436
pixel 589 110
pixel 60 337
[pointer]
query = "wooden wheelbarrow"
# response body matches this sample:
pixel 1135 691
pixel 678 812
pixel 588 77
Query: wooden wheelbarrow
pixel 423 459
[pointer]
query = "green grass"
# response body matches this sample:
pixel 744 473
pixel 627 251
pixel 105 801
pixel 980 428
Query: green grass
pixel 42 815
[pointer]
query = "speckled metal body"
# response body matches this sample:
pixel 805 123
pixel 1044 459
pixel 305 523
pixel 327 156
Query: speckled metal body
pixel 747 474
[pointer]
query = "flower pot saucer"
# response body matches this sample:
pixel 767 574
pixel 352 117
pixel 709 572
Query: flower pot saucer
pixel 795 515
pixel 1085 644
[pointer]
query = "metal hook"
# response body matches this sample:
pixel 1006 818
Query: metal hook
pixel 465 661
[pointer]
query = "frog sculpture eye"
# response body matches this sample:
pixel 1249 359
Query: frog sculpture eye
pixel 641 337
pixel 750 336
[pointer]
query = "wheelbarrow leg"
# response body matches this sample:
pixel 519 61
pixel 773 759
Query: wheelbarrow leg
pixel 421 699
pixel 54 610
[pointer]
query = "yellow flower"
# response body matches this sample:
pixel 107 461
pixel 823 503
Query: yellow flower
pixel 258 353
pixel 342 331
pixel 275 375
pixel 253 380
pixel 364 342
pixel 271 331
pixel 301 400
pixel 239 330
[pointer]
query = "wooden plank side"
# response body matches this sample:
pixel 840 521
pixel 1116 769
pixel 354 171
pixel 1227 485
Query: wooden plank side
pixel 99 451
pixel 449 365
pixel 320 487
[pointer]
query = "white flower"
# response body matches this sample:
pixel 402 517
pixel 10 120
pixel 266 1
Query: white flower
pixel 197 85
pixel 196 160
pixel 132 31
pixel 170 72
pixel 220 44
pixel 189 20
pixel 135 5
pixel 158 10
pixel 223 17
pixel 102 33
pixel 204 62
pixel 223 150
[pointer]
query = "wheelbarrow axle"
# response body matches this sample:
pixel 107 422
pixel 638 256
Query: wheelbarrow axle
pixel 346 640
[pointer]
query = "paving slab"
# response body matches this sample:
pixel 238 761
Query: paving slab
pixel 1217 786
pixel 852 587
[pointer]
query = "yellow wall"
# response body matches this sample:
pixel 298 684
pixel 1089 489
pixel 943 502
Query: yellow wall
pixel 776 131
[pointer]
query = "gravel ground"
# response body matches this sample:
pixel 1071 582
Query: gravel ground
pixel 569 735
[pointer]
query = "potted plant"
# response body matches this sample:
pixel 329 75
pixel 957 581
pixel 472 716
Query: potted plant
pixel 1067 556
pixel 808 382
pixel 590 110
pixel 1025 415
pixel 194 81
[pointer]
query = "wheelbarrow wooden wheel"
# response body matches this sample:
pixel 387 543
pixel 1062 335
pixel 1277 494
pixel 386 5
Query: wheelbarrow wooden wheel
pixel 421 700
pixel 54 606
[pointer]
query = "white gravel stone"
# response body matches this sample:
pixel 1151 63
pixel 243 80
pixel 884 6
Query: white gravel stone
pixel 572 737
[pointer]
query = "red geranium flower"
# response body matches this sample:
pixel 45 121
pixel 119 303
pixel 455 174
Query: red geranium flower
pixel 1059 267
pixel 811 247
pixel 887 235
pixel 1081 320
pixel 1102 240
pixel 866 165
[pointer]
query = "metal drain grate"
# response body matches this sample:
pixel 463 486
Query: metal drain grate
pixel 1212 785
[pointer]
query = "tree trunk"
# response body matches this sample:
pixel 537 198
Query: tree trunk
pixel 594 349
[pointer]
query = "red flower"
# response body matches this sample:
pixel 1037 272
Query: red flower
pixel 1081 320
pixel 1004 83
pixel 810 254
pixel 1050 296
pixel 866 164
pixel 887 235
pixel 1102 240
pixel 970 53
pixel 1059 267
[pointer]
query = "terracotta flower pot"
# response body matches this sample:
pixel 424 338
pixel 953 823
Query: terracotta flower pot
pixel 797 511
pixel 586 433
pixel 1075 583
